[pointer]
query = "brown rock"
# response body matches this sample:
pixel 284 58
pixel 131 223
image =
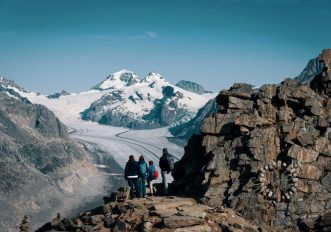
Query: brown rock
pixel 251 121
pixel 173 204
pixel 311 172
pixel 200 228
pixel 237 103
pixel 285 114
pixel 264 144
pixel 182 221
pixel 198 211
pixel 302 154
pixel 320 144
pixel 209 125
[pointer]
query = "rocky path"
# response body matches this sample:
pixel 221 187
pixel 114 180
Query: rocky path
pixel 154 214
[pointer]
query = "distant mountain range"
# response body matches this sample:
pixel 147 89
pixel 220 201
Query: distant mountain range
pixel 145 103
pixel 125 100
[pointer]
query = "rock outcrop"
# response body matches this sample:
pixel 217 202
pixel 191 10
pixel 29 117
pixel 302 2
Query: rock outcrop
pixel 154 214
pixel 266 153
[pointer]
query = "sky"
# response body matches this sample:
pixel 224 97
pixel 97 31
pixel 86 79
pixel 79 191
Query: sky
pixel 50 45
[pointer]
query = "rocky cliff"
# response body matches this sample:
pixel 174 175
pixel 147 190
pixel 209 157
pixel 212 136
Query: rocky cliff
pixel 266 153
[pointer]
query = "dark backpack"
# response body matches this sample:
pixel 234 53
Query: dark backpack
pixel 171 162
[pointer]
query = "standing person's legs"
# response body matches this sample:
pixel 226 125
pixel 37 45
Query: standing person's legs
pixel 130 182
pixel 164 180
pixel 136 185
pixel 143 186
pixel 150 184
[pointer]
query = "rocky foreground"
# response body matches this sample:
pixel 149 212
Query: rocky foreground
pixel 155 214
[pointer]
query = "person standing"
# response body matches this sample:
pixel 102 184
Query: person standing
pixel 143 174
pixel 152 175
pixel 131 174
pixel 166 165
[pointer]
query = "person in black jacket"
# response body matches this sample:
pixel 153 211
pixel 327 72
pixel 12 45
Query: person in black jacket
pixel 166 168
pixel 131 174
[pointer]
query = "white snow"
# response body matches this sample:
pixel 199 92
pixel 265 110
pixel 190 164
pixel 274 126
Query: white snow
pixel 145 92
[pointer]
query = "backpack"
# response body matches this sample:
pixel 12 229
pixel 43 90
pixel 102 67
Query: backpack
pixel 171 162
pixel 156 175
pixel 143 168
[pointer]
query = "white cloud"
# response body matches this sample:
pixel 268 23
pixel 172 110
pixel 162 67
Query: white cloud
pixel 144 35
pixel 101 37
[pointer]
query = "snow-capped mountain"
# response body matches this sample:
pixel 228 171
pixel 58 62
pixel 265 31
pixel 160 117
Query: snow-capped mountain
pixel 8 87
pixel 142 103
pixel 123 99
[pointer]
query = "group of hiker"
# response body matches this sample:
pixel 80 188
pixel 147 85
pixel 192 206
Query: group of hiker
pixel 138 173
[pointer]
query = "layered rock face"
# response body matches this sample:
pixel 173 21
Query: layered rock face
pixel 266 153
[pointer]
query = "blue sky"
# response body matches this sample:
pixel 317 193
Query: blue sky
pixel 49 45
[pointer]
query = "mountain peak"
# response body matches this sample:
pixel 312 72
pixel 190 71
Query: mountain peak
pixel 153 77
pixel 192 87
pixel 9 84
pixel 118 79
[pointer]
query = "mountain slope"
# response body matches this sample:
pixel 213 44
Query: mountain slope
pixel 314 67
pixel 148 103
pixel 37 157
pixel 184 131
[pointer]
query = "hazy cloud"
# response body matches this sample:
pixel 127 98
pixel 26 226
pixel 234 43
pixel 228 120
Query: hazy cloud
pixel 144 35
